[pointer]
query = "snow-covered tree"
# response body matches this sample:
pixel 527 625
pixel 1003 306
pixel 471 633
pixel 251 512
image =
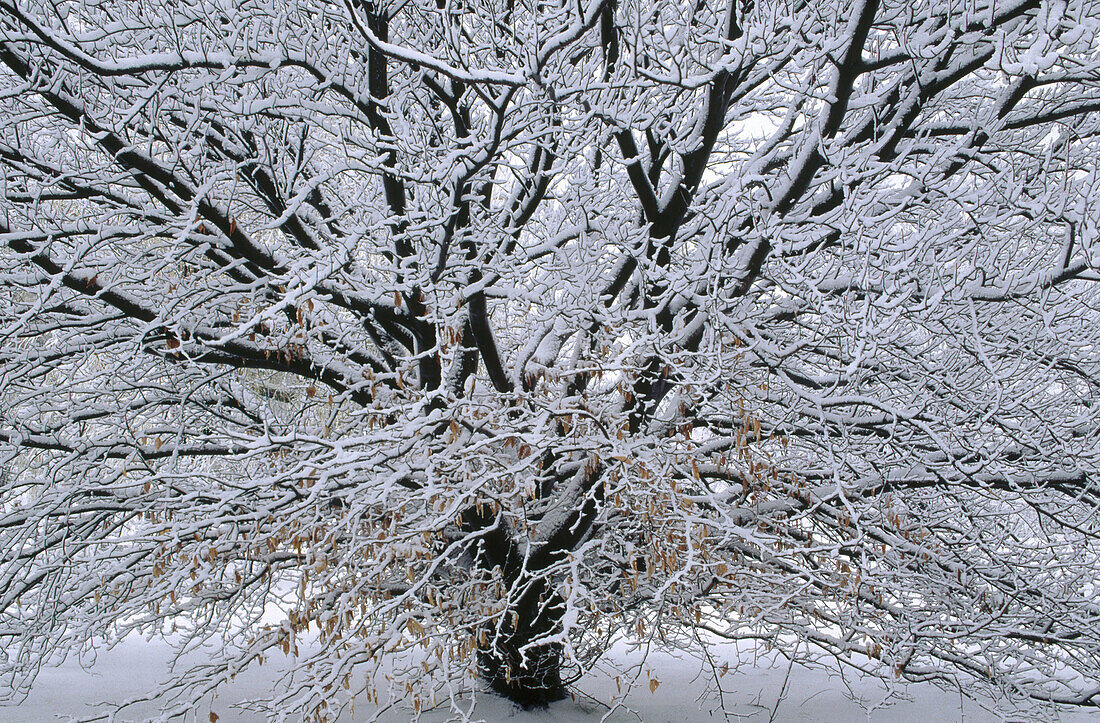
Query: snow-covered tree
pixel 471 335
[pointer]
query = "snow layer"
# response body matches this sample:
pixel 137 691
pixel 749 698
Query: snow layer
pixel 763 688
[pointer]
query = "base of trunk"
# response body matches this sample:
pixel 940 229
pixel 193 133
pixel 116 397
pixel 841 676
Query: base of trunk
pixel 530 681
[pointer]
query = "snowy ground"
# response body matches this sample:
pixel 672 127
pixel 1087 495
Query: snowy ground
pixel 761 690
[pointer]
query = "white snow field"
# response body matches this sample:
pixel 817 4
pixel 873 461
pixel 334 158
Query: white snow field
pixel 764 688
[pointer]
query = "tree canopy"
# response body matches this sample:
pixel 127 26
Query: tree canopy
pixel 472 335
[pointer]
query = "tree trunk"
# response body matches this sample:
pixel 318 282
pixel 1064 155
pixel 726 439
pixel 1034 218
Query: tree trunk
pixel 529 678
pixel 516 659
pixel 527 674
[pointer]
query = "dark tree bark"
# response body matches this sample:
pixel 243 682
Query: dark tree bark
pixel 494 329
pixel 524 671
